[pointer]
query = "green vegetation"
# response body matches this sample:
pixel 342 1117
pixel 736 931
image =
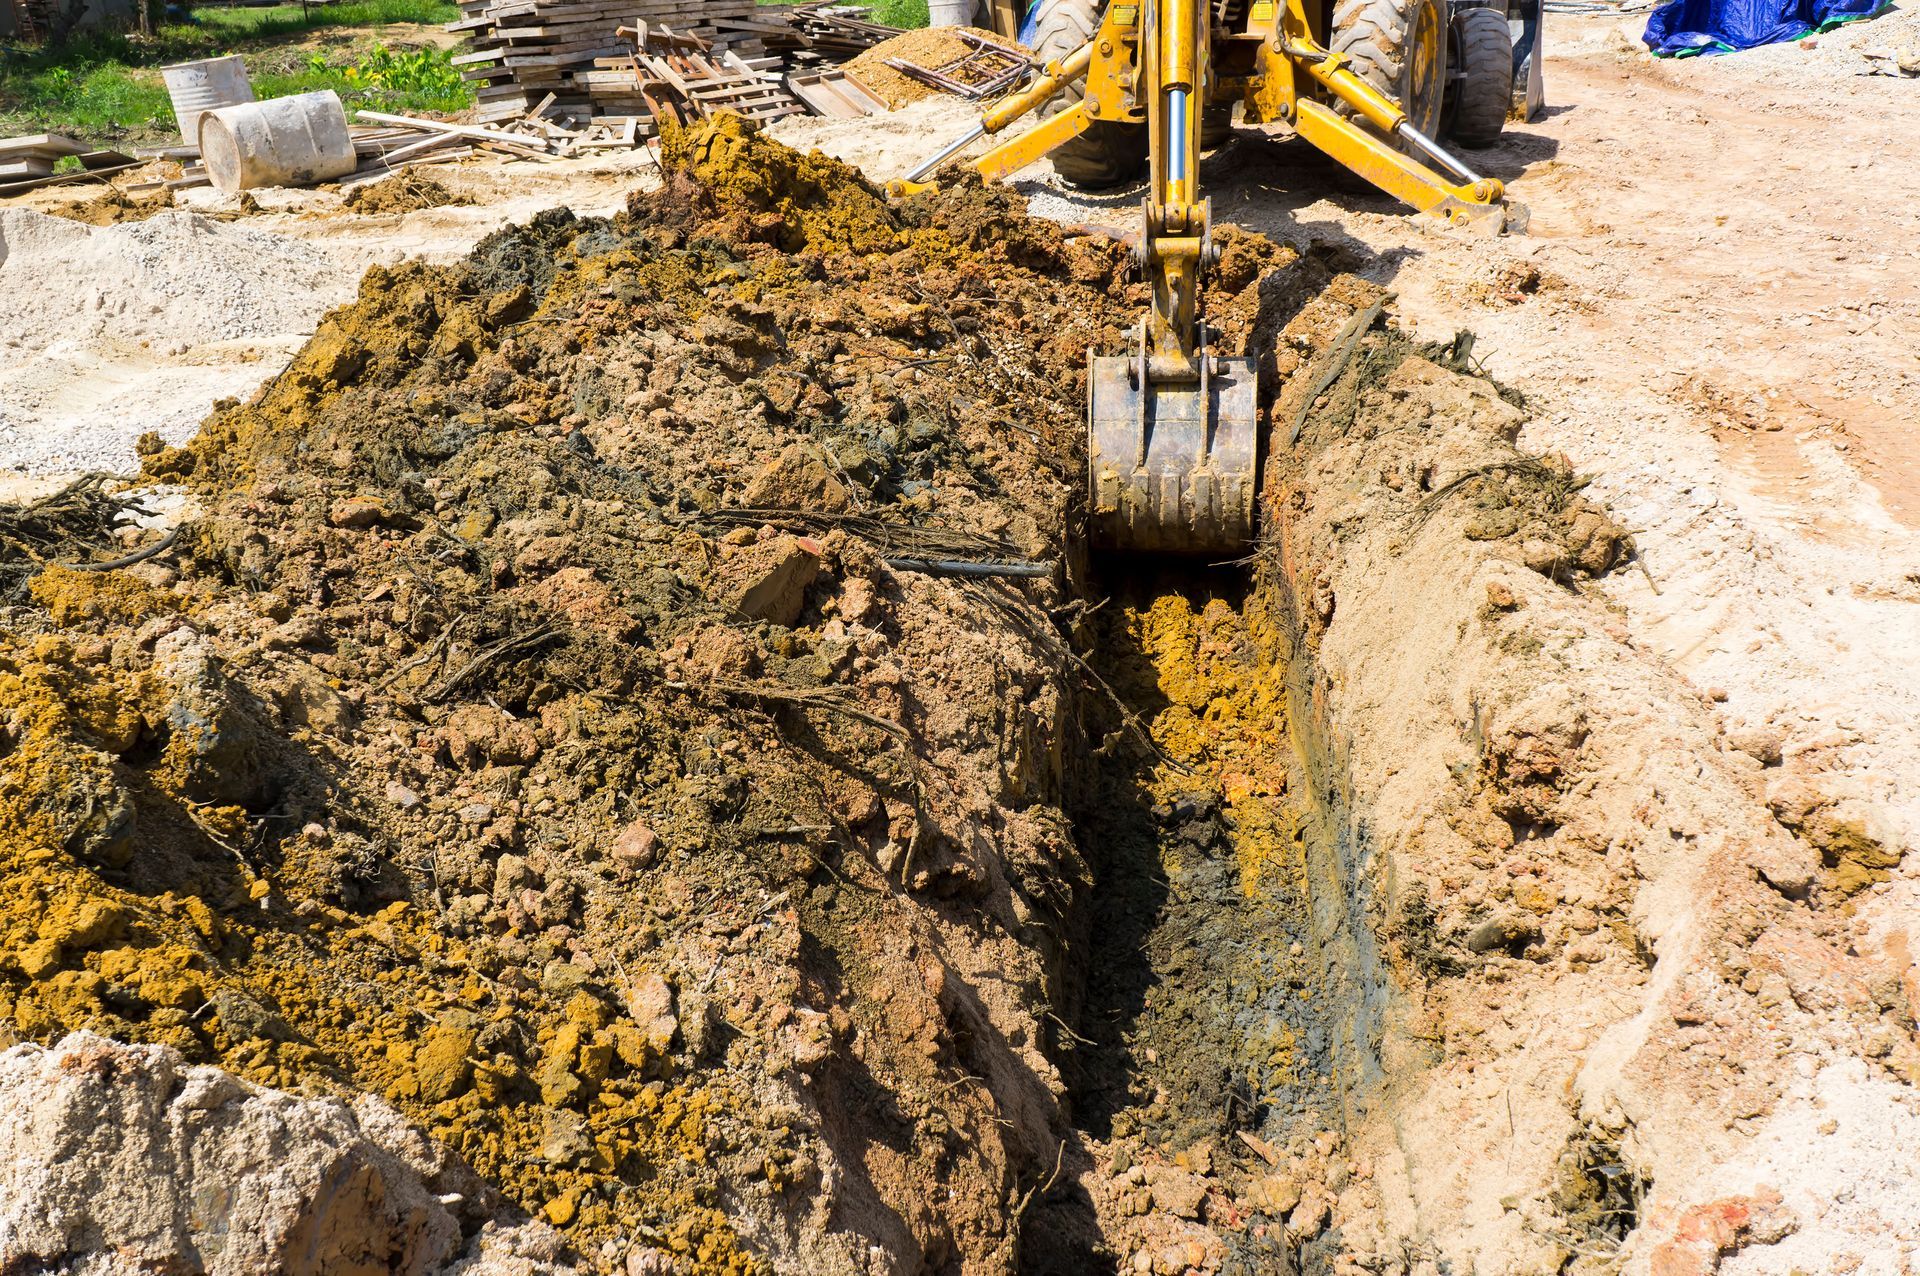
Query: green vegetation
pixel 105 85
pixel 900 13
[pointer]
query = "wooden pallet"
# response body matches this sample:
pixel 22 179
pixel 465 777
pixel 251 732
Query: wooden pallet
pixel 808 35
pixel 32 21
pixel 834 94
pixel 521 50
pixel 685 77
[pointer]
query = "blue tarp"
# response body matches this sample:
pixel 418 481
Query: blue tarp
pixel 1681 28
pixel 1028 23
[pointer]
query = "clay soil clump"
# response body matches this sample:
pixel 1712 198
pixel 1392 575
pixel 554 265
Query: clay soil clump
pixel 404 192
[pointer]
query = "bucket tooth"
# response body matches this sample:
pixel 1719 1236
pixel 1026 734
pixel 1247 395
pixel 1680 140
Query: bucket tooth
pixel 1173 465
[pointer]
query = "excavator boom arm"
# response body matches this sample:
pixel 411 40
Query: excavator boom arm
pixel 1173 448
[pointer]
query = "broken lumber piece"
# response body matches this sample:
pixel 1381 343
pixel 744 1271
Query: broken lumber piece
pixel 472 131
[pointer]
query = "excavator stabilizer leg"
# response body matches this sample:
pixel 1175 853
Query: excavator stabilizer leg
pixel 1172 464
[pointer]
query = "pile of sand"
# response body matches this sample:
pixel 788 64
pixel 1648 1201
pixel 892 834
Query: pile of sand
pixel 930 47
pixel 174 277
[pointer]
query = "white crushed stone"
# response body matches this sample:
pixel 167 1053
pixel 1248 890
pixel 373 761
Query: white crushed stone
pixel 1845 1148
pixel 107 332
pixel 175 276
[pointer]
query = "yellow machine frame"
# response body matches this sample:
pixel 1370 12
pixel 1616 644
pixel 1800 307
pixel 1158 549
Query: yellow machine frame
pixel 1174 445
pixel 1291 80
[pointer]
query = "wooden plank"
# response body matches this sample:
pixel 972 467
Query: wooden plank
pixel 368 173
pixel 96 160
pixel 458 130
pixel 1005 17
pixel 835 94
pixel 63 179
pixel 54 144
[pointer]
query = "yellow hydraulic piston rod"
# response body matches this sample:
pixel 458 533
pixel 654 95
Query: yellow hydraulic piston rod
pixel 1174 241
pixel 1331 70
pixel 1053 77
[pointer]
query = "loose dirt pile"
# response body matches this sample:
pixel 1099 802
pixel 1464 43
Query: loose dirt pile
pixel 533 734
pixel 929 47
pixel 113 207
pixel 110 331
pixel 404 192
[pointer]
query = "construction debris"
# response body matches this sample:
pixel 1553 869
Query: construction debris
pixel 911 65
pixel 26 163
pixel 681 77
pixel 681 59
pixel 35 156
pixel 406 140
pixel 815 34
pixel 527 50
pixel 834 94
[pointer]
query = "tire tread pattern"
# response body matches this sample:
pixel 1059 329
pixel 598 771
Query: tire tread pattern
pixel 1373 35
pixel 1486 89
pixel 1108 153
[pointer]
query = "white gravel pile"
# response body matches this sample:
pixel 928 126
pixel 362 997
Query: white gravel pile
pixel 175 276
pixel 109 331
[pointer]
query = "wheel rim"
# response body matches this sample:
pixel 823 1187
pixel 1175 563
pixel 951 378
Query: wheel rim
pixel 1426 67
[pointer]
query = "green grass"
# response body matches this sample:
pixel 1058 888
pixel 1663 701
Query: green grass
pixel 289 19
pixel 900 13
pixel 105 85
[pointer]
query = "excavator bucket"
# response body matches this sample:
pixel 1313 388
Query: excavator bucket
pixel 1173 465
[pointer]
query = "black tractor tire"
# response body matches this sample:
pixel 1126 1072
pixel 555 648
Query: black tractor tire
pixel 1483 45
pixel 1109 153
pixel 1381 40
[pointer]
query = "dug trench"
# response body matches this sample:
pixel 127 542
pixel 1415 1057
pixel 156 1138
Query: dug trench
pixel 573 729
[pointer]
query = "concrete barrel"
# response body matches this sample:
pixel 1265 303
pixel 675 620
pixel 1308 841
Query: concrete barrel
pixel 199 87
pixel 287 141
pixel 952 13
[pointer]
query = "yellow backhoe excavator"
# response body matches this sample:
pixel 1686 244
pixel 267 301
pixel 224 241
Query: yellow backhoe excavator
pixel 1174 446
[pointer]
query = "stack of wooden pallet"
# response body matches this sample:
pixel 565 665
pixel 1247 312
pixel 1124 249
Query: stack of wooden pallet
pixel 33 20
pixel 525 50
pixel 807 35
pixel 681 77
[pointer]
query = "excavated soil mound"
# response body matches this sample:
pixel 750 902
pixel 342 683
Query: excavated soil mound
pixel 545 727
pixel 566 723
